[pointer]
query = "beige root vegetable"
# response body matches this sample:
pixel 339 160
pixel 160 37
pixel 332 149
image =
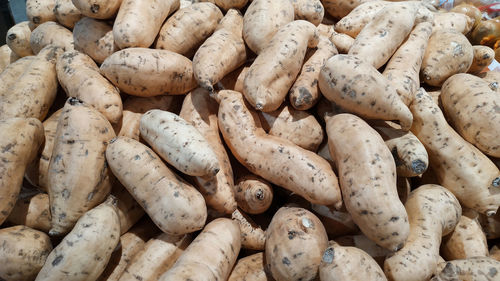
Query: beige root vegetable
pixel 174 206
pixel 251 145
pixel 371 197
pixel 84 253
pixel 222 52
pixel 157 256
pixel 466 241
pixel 66 13
pixel 448 52
pixel 262 19
pixel 483 56
pixel 471 105
pixel 179 143
pixel 348 263
pixel 211 256
pixel 418 259
pixel 6 57
pixel 19 145
pixel 80 142
pixel 226 5
pixel 341 8
pixel 459 166
pixel 138 22
pixel 79 76
pixel 352 23
pixel 32 210
pixel 451 20
pixel 129 210
pixel 250 268
pixel 200 111
pixel 471 269
pixel 13 71
pixel 358 87
pixel 490 225
pixel 23 252
pixel 342 42
pixel 40 11
pixel 363 243
pixel 492 77
pixel 311 11
pixel 51 33
pixel 32 88
pixel 146 72
pixel 295 241
pixel 253 194
pixel 304 93
pixel 299 127
pixel 94 38
pixel 403 68
pixel 99 9
pixel 18 39
pixel 274 70
pixel 495 253
pixel 252 236
pixel 186 30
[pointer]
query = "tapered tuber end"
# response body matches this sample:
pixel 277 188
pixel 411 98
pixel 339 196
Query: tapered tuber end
pixel 12 36
pixel 398 247
pixel 491 213
pixel 328 255
pixel 338 205
pixel 496 182
pixel 215 171
pixel 111 200
pixel 54 232
pixel 259 106
pixel 113 140
pixel 418 166
pixel 493 86
pixel 259 194
pixel 74 101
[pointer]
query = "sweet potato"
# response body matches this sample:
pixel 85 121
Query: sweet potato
pixel 470 10
pixel 251 145
pixel 304 93
pixel 80 142
pixel 341 8
pixel 467 240
pixel 483 56
pixel 295 241
pixel 348 263
pixel 363 13
pixel 179 143
pixel 476 268
pixel 473 110
pixel 51 33
pixel 274 70
pixel 262 19
pixel 226 5
pixel 99 9
pixel 94 38
pixel 359 88
pixel 451 20
pixel 32 209
pixel 138 22
pixel 253 194
pixel 6 57
pixel 222 52
pixel 40 11
pixel 79 76
pixel 18 39
pixel 490 225
pixel 418 259
pixel 66 13
pixel 403 68
pixel 371 197
pixel 495 253
pixel 448 52
pixel 186 30
pixel 252 236
pixel 146 72
pixel 23 252
pixel 493 78
pixel 363 243
pixel 174 206
pixel 311 11
pixel 129 210
pixel 200 111
pixel 211 256
pixel 85 251
pixel 20 143
pixel 250 268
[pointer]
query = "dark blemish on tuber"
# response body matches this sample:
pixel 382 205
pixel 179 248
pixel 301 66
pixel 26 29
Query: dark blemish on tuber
pixel 286 261
pixel 328 255
pixel 57 260
pixel 11 36
pixel 94 8
pixel 418 166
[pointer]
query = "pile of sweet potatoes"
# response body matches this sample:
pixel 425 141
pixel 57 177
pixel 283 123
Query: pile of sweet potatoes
pixel 248 140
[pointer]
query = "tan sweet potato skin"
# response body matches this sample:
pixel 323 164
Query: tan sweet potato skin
pixel 250 268
pixel 342 42
pixel 339 9
pixel 66 13
pixel 94 38
pixel 51 33
pixel 311 11
pixel 253 194
pixel 6 57
pixel 40 11
pixel 466 241
pixel 476 268
pixel 18 39
pixel 352 23
pixel 252 236
pixel 483 56
pixel 23 252
pixel 99 9
pixel 451 20
pixel 228 4
pixel 32 211
pixel 129 210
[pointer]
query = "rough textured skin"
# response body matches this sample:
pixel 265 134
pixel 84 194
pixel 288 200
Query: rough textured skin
pixel 483 56
pixel 471 269
pixel 40 11
pixel 370 197
pixel 274 70
pixel 352 23
pixel 451 20
pixel 342 42
pixel 51 33
pixel 418 259
pixel 6 57
pixel 188 28
pixel 179 143
pixel 295 241
pixel 359 88
pixel 211 256
pixel 66 13
pixel 96 232
pixel 448 52
pixel 459 166
pixel 472 107
pixel 23 252
pixel 174 206
pixel 253 194
pixel 262 19
pixel 466 241
pixel 311 11
pixel 18 39
pixel 32 86
pixel 32 210
pixel 228 4
pixel 129 210
pixel 139 21
pixel 94 38
pixel 490 225
pixel 470 10
pixel 250 268
pixel 341 8
pixel 403 68
pixel 304 93
pixel 80 142
pixel 363 243
pixel 19 145
pixel 99 9
pixel 251 145
pixel 492 77
pixel 222 52
pixel 157 256
pixel 200 111
pixel 348 263
pixel 252 236
pixel 147 72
